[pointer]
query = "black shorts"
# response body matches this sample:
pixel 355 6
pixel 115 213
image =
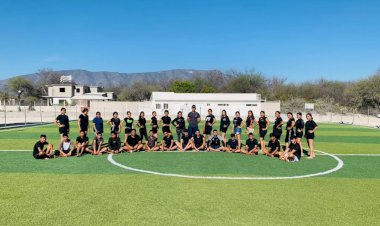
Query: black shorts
pixel 197 145
pixel 116 130
pixel 128 130
pixel 84 128
pixel 208 130
pixel 223 129
pixel 263 133
pixel 40 156
pixel 309 136
pixel 63 130
pixel 289 135
pixel 155 130
pixel 299 134
pixel 166 129
pixel 184 145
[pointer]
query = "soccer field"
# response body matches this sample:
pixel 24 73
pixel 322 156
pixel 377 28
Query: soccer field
pixel 222 188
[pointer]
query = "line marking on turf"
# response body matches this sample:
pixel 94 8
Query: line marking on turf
pixel 336 168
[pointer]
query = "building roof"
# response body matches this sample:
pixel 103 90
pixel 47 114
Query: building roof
pixel 92 96
pixel 211 97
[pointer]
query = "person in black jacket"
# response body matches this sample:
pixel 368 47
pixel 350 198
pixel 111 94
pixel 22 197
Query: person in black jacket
pixel 179 124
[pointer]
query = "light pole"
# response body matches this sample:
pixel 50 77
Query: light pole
pixel 19 92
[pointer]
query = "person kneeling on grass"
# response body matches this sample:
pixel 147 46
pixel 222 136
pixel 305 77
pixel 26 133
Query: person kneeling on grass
pixel 133 142
pixel 293 152
pixel 114 144
pixel 273 147
pixel 151 143
pixel 216 142
pixel 168 142
pixel 38 150
pixel 66 147
pixel 251 145
pixel 97 145
pixel 198 141
pixel 232 145
pixel 82 143
pixel 185 143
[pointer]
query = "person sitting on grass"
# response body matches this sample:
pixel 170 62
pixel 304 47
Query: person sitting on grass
pixel 151 143
pixel 66 147
pixel 185 143
pixel 168 142
pixel 232 144
pixel 198 141
pixel 293 152
pixel 133 142
pixel 216 142
pixel 251 145
pixel 38 150
pixel 97 144
pixel 114 143
pixel 82 143
pixel 273 146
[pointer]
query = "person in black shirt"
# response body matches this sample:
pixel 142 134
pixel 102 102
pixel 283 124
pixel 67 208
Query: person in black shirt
pixel 114 144
pixel 82 143
pixel 251 122
pixel 232 145
pixel 166 122
pixel 38 150
pixel 216 142
pixel 154 123
pixel 251 145
pixel 289 129
pixel 237 122
pixel 209 122
pixel 142 125
pixel 299 130
pixel 97 144
pixel 224 124
pixel 115 124
pixel 310 128
pixel 198 141
pixel 83 121
pixel 168 142
pixel 193 118
pixel 151 143
pixel 293 152
pixel 263 128
pixel 179 124
pixel 63 123
pixel 273 146
pixel 186 142
pixel 128 125
pixel 277 127
pixel 133 142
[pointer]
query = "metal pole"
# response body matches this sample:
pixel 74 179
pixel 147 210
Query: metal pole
pixel 368 116
pixel 25 114
pixel 5 113
pixel 41 110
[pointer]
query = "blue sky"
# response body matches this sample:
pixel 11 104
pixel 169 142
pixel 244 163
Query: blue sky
pixel 297 39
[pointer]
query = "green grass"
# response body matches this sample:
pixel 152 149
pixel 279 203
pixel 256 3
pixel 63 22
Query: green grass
pixel 91 191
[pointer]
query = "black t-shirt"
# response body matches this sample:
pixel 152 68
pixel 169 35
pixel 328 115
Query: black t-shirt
pixel 198 141
pixel 224 122
pixel 276 123
pixel 151 141
pixel 310 125
pixel 82 139
pixel 116 122
pixel 98 141
pixel 295 147
pixel 133 141
pixel 168 140
pixel 262 122
pixel 154 121
pixel 300 124
pixel 166 120
pixel 250 121
pixel 273 145
pixel 251 143
pixel 215 140
pixel 63 120
pixel 38 145
pixel 232 143
pixel 180 121
pixel 209 119
pixel 142 122
pixel 114 144
pixel 83 121
pixel 185 139
pixel 289 123
pixel 128 123
pixel 237 121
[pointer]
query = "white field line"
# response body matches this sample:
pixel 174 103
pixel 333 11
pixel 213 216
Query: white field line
pixel 336 168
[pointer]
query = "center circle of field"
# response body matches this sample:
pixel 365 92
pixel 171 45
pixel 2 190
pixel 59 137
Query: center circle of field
pixel 211 165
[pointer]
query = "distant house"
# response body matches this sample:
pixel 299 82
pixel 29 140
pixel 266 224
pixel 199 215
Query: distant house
pixel 66 94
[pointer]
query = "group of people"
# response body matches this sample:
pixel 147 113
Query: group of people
pixel 188 138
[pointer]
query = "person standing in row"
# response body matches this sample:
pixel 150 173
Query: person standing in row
pixel 154 123
pixel 310 128
pixel 289 129
pixel 63 123
pixel 251 122
pixel 224 124
pixel 115 124
pixel 299 130
pixel 98 123
pixel 179 124
pixel 83 121
pixel 142 125
pixel 165 120
pixel 209 122
pixel 128 125
pixel 263 129
pixel 277 127
pixel 237 122
pixel 193 118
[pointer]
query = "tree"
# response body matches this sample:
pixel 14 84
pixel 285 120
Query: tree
pixel 20 83
pixel 182 87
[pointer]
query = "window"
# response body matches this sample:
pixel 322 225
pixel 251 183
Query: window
pixel 254 105
pixel 166 106
pixel 62 90
pixel 158 106
pixel 78 90
pixel 223 104
pixel 208 105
